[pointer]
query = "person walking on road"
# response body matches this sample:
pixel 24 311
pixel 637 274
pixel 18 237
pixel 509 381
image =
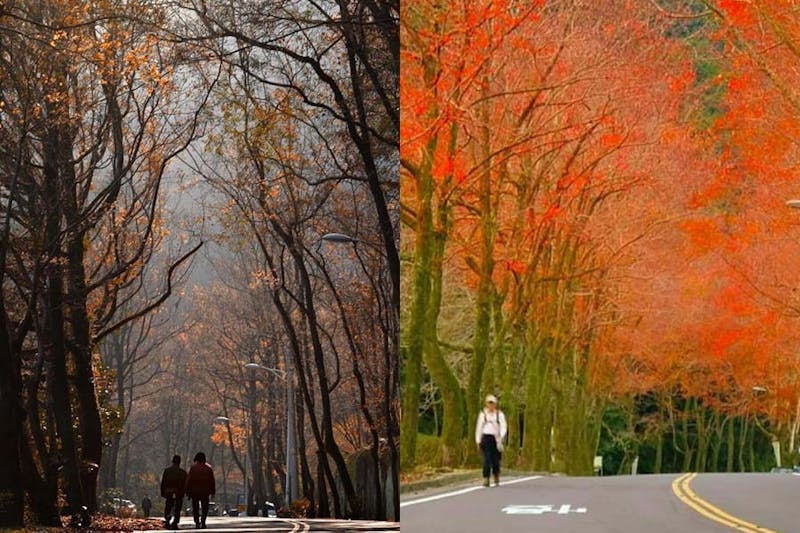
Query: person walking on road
pixel 489 434
pixel 199 487
pixel 173 485
pixel 146 506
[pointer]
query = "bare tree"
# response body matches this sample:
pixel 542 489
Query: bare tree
pixel 84 93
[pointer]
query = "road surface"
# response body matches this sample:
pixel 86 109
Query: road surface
pixel 668 503
pixel 285 525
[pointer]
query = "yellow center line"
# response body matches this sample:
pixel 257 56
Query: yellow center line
pixel 681 488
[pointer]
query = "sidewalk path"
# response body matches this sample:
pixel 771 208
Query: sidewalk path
pixel 222 524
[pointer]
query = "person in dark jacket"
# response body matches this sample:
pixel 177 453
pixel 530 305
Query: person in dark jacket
pixel 199 487
pixel 146 505
pixel 173 485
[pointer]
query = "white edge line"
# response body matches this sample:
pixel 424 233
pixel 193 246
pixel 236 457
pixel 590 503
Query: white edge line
pixel 462 491
pixel 520 480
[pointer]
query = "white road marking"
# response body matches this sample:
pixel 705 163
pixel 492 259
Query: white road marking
pixel 528 509
pixel 463 491
pixel 565 509
pixel 542 509
pixel 520 480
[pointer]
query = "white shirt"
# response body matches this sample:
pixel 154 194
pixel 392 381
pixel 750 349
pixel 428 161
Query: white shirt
pixel 491 424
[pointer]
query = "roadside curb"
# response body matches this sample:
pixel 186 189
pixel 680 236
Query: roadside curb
pixel 455 479
pixel 437 481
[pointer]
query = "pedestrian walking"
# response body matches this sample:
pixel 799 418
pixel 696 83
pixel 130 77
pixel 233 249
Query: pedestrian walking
pixel 489 434
pixel 173 485
pixel 146 506
pixel 199 487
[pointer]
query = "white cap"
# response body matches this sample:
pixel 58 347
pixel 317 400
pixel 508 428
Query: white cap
pixel 491 399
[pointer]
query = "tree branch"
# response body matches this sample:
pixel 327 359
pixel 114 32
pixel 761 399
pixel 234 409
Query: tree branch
pixel 155 304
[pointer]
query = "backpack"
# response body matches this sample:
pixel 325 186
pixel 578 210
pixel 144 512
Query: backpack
pixel 496 421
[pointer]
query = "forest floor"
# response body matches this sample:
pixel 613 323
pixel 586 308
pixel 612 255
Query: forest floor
pixel 100 523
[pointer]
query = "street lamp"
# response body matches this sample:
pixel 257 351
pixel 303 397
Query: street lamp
pixel 291 466
pixel 338 237
pixel 227 421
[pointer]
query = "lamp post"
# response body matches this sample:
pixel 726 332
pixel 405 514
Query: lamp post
pixel 291 463
pixel 227 421
pixel 394 310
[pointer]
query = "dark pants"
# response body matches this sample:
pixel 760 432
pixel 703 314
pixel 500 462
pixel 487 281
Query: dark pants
pixel 491 455
pixel 172 509
pixel 196 503
pixel 146 512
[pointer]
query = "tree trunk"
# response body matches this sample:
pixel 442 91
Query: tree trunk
pixel 298 351
pixel 702 440
pixel 324 509
pixel 420 285
pixel 442 374
pixel 743 444
pixel 308 480
pixel 331 447
pixel 81 348
pixel 41 487
pixel 484 298
pixel 659 452
pixel 716 444
pixel 687 450
pixel 11 494
pixel 54 328
pixel 420 296
pixel 538 412
pixel 731 445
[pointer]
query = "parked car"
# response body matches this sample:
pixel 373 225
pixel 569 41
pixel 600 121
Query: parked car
pixel 124 508
pixel 213 509
pixel 272 511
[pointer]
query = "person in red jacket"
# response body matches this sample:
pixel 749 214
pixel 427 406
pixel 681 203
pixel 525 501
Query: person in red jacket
pixel 199 487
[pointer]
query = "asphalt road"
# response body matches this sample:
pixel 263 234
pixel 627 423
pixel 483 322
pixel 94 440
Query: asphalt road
pixel 285 525
pixel 704 503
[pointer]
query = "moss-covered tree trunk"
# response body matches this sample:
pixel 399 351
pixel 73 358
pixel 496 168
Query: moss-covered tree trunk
pixel 538 414
pixel 442 374
pixel 731 445
pixel 420 289
pixel 751 453
pixel 688 451
pixel 716 443
pixel 657 463
pixel 485 269
pixel 743 444
pixel 702 439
